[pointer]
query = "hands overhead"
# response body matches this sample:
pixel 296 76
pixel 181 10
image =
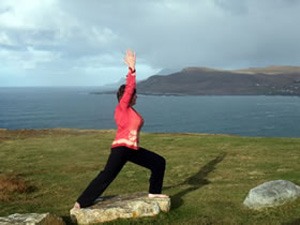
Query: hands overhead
pixel 129 59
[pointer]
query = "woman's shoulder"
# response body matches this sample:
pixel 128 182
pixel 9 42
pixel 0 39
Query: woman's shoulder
pixel 119 109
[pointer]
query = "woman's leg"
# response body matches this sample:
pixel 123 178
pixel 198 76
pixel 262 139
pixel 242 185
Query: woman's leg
pixel 115 162
pixel 155 163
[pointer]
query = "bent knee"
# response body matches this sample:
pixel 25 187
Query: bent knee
pixel 161 163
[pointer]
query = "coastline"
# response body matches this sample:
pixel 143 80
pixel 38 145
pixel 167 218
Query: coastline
pixel 196 95
pixel 9 133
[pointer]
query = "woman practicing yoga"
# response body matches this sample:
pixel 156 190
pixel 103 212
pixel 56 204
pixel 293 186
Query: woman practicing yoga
pixel 125 147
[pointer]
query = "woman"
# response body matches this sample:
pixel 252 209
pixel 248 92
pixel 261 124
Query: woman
pixel 125 147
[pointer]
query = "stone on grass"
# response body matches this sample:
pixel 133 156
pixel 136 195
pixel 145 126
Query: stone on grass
pixel 120 206
pixel 272 193
pixel 31 219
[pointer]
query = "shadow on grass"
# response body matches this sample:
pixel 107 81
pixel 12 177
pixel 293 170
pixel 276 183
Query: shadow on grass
pixel 195 182
pixel 68 220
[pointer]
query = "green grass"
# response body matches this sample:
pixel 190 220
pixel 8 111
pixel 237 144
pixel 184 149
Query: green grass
pixel 207 176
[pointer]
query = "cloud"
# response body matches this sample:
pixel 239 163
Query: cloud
pixel 5 40
pixel 87 39
pixel 234 6
pixel 33 57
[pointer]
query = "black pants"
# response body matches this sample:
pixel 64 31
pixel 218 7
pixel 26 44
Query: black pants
pixel 117 159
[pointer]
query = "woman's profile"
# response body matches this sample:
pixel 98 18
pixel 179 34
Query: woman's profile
pixel 125 146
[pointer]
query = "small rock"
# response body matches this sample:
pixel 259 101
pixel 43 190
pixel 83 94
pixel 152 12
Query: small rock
pixel 121 206
pixel 31 219
pixel 272 193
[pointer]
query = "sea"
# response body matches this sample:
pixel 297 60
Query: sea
pixel 80 108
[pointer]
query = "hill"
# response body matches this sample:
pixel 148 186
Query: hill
pixel 207 176
pixel 274 80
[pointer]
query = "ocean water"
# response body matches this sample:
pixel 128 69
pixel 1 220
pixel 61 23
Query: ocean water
pixel 253 116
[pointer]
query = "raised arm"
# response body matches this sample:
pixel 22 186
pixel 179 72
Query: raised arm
pixel 130 80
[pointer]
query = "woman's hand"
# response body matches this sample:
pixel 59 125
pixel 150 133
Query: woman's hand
pixel 130 59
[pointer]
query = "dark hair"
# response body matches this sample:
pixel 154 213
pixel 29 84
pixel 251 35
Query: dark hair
pixel 121 92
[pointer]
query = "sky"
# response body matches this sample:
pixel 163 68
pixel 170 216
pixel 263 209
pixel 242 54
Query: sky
pixel 83 42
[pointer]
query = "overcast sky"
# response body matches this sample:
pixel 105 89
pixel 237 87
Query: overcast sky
pixel 82 42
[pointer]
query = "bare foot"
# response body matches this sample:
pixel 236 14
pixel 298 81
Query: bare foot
pixel 157 196
pixel 76 206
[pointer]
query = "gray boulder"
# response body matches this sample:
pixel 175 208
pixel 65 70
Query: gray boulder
pixel 272 193
pixel 31 219
pixel 121 206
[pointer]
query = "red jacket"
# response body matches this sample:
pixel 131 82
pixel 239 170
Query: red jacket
pixel 128 120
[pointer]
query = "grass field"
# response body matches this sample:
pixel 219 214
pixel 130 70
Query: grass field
pixel 207 176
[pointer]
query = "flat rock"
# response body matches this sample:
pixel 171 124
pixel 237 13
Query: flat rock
pixel 272 193
pixel 31 219
pixel 120 206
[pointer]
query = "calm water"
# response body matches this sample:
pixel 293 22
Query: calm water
pixel 264 116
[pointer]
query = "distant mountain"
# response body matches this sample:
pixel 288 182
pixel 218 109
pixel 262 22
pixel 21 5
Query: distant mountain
pixel 272 70
pixel 167 71
pixel 273 80
pixel 114 86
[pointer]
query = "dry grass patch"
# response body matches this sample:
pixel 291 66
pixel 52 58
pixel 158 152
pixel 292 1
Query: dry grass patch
pixel 12 184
